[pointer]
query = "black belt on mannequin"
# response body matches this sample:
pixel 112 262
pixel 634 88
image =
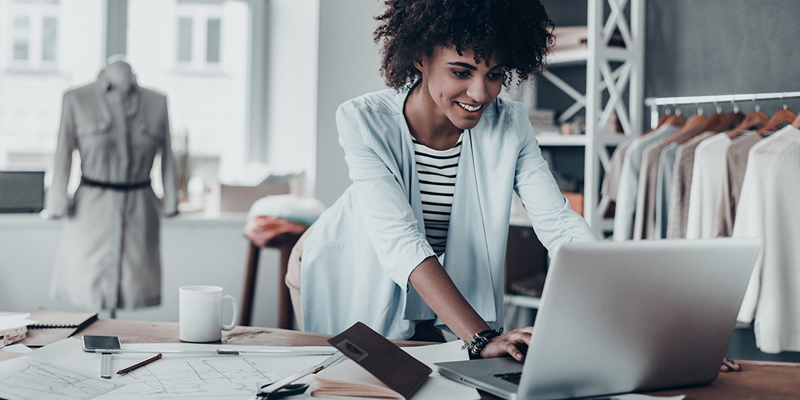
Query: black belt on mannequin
pixel 125 187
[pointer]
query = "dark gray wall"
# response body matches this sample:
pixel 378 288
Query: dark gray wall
pixel 705 47
pixel 721 47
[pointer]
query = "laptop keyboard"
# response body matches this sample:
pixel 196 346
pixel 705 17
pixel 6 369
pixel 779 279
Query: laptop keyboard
pixel 512 377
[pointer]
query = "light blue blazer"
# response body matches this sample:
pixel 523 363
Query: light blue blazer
pixel 357 259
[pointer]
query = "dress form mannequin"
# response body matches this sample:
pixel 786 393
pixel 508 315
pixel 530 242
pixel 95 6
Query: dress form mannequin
pixel 109 256
pixel 120 75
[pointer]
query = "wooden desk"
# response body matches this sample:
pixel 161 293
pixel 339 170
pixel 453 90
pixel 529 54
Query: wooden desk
pixel 758 380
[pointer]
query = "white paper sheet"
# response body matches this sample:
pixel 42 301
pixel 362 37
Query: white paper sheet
pixel 17 348
pixel 437 386
pixel 179 375
pixel 27 378
pixel 15 320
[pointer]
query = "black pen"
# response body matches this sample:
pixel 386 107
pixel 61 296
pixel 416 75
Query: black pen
pixel 139 364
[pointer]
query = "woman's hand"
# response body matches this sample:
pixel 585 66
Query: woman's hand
pixel 507 344
pixel 729 365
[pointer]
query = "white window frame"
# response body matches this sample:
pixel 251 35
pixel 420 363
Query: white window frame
pixel 199 14
pixel 36 13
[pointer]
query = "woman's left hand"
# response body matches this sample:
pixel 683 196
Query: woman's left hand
pixel 729 365
pixel 507 344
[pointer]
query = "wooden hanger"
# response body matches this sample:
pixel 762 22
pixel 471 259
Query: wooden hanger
pixel 662 119
pixel 675 120
pixel 730 121
pixel 782 116
pixel 757 117
pixel 712 124
pixel 694 125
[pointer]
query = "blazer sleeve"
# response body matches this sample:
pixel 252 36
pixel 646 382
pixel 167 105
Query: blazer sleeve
pixel 389 219
pixel 169 174
pixel 57 198
pixel 553 220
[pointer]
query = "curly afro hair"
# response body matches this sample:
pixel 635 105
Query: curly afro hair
pixel 514 33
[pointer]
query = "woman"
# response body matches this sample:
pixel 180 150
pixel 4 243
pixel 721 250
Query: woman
pixel 417 243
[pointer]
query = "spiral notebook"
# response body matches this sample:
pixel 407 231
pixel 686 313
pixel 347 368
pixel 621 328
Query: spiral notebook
pixel 52 326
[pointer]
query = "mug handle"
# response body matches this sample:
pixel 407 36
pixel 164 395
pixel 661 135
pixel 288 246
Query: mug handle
pixel 233 321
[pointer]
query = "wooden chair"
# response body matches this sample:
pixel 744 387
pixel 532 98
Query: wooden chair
pixel 284 243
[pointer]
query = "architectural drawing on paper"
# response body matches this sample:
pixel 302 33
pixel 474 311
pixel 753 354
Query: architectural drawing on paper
pixel 29 378
pixel 200 376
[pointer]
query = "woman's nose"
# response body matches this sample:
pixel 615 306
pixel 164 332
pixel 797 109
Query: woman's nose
pixel 477 90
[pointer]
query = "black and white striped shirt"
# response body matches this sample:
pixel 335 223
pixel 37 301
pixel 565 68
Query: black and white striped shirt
pixel 436 170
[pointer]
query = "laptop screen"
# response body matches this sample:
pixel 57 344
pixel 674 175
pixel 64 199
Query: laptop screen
pixel 21 191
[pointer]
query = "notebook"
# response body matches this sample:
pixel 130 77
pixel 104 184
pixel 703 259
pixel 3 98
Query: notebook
pixel 52 326
pixel 623 317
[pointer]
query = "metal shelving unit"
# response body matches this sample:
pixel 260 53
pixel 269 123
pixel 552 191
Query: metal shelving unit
pixel 601 79
pixel 602 96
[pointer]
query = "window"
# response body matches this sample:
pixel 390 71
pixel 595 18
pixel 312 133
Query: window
pixel 196 52
pixel 199 36
pixel 34 34
pixel 49 35
pixel 185 39
pixel 34 74
pixel 198 55
pixel 21 38
pixel 212 40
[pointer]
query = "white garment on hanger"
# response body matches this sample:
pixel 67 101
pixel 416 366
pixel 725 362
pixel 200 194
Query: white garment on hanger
pixel 629 181
pixel 768 209
pixel 706 175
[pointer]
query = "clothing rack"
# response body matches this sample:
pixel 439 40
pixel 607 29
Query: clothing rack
pixel 654 102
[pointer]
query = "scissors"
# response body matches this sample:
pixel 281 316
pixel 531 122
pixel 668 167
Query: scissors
pixel 284 387
pixel 288 390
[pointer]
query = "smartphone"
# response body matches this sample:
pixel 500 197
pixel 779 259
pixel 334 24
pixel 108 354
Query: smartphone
pixel 93 343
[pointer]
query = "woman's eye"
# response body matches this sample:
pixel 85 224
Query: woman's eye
pixel 494 76
pixel 461 74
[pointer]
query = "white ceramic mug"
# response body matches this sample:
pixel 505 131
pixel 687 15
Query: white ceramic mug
pixel 200 313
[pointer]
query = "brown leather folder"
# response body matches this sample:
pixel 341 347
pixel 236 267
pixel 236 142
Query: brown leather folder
pixel 382 358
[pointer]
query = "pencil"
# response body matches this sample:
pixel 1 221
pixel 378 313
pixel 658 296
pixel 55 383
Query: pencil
pixel 139 364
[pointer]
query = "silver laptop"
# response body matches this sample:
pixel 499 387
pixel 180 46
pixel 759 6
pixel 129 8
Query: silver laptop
pixel 625 316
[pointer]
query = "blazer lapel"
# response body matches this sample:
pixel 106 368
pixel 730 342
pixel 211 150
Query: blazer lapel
pixel 466 236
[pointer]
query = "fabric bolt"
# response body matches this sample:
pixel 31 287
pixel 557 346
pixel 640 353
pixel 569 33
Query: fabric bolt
pixel 263 228
pixel 768 210
pixel 706 174
pixel 629 181
pixel 437 171
pixel 109 255
pixel 368 243
pixel 731 183
pixel 681 187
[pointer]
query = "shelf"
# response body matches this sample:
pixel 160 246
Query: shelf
pixel 570 58
pixel 567 58
pixel 550 139
pixel 522 301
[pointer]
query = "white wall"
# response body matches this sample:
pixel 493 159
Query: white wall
pixel 349 66
pixel 292 84
pixel 194 250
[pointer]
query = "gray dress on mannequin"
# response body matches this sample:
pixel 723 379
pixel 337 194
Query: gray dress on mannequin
pixel 109 255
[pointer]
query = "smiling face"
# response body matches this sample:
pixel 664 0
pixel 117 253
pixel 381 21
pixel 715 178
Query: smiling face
pixel 461 88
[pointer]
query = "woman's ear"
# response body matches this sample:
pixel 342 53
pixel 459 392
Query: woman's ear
pixel 418 64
